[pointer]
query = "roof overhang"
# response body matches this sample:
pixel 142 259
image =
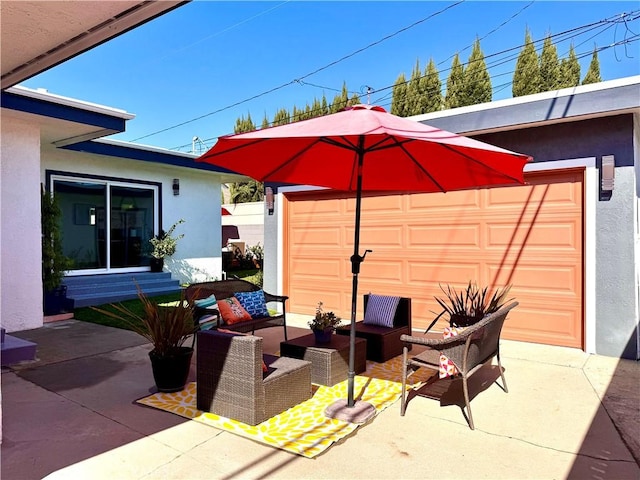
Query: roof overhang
pixel 603 99
pixel 37 35
pixel 62 121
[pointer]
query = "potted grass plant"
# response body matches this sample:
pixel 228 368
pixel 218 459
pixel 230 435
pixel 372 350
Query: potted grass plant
pixel 323 324
pixel 471 304
pixel 167 328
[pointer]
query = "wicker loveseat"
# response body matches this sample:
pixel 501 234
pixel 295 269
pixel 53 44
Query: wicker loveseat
pixel 231 381
pixel 226 288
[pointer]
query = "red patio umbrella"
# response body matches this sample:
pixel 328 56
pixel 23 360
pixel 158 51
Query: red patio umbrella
pixel 364 148
pixel 224 212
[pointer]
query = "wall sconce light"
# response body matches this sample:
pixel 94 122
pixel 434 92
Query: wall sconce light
pixel 608 173
pixel 176 186
pixel 269 200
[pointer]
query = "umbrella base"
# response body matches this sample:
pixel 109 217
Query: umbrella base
pixel 361 412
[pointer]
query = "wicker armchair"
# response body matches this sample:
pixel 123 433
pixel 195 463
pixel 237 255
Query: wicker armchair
pixel 383 343
pixel 469 350
pixel 231 381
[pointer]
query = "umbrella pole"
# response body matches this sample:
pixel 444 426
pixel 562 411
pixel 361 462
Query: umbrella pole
pixel 355 412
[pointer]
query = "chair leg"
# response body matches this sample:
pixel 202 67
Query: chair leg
pixel 403 405
pixel 504 382
pixel 465 387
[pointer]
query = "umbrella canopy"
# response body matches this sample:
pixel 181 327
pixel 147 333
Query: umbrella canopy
pixel 400 154
pixel 364 148
pixel 224 212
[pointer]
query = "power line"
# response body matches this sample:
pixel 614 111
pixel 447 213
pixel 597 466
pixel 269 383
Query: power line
pixel 296 80
pixel 513 53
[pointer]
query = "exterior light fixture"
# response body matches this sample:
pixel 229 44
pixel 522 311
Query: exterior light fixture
pixel 608 173
pixel 269 199
pixel 176 186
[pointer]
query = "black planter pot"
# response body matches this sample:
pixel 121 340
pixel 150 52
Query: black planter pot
pixel 156 264
pixel 323 336
pixel 170 372
pixel 56 302
pixel 458 320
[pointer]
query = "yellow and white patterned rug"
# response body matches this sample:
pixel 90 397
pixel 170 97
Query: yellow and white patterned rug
pixel 303 429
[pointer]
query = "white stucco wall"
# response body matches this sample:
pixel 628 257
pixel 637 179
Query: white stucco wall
pixel 20 237
pixel 249 219
pixel 198 256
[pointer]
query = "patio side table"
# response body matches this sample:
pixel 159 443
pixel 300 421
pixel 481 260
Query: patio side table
pixel 329 361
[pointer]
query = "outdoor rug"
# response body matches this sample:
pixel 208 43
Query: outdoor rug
pixel 303 429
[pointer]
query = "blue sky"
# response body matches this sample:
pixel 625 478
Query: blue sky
pixel 199 60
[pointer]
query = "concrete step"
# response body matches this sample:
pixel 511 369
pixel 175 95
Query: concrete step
pixel 15 350
pixel 90 290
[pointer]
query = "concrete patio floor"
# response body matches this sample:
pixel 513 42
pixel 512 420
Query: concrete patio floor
pixel 70 414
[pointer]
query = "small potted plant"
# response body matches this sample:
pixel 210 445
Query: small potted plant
pixel 167 328
pixel 164 245
pixel 323 324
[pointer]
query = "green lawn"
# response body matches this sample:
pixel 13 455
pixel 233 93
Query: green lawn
pixel 88 314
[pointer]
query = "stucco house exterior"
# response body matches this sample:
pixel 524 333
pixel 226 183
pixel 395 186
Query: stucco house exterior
pixel 114 197
pixel 567 242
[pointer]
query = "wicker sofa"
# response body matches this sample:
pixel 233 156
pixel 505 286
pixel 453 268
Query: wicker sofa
pixel 231 381
pixel 226 288
pixel 383 343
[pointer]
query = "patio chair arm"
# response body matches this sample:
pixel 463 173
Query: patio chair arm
pixel 436 343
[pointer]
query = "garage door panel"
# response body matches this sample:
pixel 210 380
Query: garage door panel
pixel 383 270
pixel 378 206
pixel 554 234
pixel 326 237
pixel 492 236
pixel 450 202
pixel 467 235
pixel 554 196
pixel 308 299
pixel 427 273
pixel 387 236
pixel 543 324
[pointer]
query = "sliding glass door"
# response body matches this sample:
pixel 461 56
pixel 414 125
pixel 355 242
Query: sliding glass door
pixel 106 225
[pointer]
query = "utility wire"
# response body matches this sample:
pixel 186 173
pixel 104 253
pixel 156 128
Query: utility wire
pixel 296 80
pixel 564 36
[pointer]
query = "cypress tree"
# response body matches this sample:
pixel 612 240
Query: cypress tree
pixel 569 70
pixel 549 66
pixel 244 125
pixel 399 96
pixel 281 117
pixel 413 91
pixel 341 100
pixel 455 84
pixel 526 78
pixel 430 90
pixel 593 74
pixel 265 121
pixel 477 83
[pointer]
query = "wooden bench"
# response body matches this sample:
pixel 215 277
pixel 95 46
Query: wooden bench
pixel 226 288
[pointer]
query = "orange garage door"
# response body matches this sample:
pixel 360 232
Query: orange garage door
pixel 528 236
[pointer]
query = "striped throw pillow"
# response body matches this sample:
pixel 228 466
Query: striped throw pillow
pixel 380 310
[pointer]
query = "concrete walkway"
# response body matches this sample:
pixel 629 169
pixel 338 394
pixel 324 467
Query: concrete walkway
pixel 70 414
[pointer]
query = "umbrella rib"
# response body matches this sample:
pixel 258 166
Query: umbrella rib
pixel 420 167
pixel 479 162
pixel 292 159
